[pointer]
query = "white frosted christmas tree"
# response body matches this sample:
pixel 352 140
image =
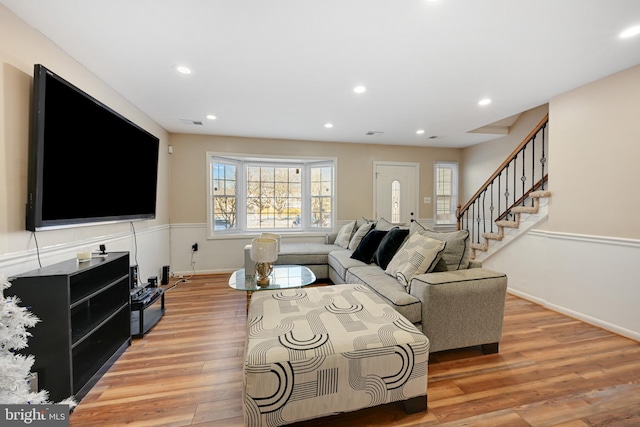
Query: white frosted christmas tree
pixel 15 368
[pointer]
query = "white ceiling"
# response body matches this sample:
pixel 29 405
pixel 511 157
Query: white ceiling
pixel 283 68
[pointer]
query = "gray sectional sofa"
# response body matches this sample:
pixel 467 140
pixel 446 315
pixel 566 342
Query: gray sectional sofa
pixel 457 304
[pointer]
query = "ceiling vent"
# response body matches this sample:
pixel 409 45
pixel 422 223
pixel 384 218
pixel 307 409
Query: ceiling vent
pixel 191 122
pixel 375 132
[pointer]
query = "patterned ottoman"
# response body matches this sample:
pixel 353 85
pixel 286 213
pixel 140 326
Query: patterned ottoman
pixel 324 350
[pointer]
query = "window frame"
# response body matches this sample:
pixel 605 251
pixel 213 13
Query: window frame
pixel 453 202
pixel 242 162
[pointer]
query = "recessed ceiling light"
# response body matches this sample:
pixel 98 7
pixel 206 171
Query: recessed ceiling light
pixel 485 101
pixel 211 117
pixel 630 32
pixel 328 125
pixel 359 89
pixel 183 69
pixel 420 131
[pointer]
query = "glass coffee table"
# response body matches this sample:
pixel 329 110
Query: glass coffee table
pixel 282 277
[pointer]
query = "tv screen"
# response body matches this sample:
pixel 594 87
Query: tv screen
pixel 87 163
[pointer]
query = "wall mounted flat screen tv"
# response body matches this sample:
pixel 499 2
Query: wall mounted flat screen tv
pixel 87 163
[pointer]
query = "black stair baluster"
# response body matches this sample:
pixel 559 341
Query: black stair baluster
pixel 473 217
pixel 524 173
pixel 491 209
pixel 543 160
pixel 515 168
pixel 506 190
pixel 499 193
pixel 533 163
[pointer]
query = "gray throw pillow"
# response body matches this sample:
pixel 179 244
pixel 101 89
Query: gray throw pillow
pixel 383 224
pixel 418 255
pixel 456 255
pixel 344 235
pixel 415 226
pixel 359 234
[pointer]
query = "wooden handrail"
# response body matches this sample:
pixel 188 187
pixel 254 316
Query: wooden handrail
pixel 504 164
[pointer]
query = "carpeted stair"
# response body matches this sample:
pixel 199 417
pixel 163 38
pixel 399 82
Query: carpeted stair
pixel 516 211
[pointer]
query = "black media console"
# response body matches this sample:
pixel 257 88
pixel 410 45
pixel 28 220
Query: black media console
pixel 84 312
pixel 147 308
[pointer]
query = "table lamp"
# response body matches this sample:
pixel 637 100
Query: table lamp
pixel 264 251
pixel 272 236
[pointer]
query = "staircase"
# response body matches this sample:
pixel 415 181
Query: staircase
pixel 506 205
pixel 514 224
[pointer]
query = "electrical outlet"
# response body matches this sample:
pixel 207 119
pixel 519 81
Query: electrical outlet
pixel 194 247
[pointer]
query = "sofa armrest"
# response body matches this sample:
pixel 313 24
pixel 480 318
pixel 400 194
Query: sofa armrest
pixel 475 264
pixel 330 238
pixel 461 308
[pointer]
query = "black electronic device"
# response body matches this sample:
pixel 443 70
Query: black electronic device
pixel 153 281
pixel 87 163
pixel 133 276
pixel 143 296
pixel 165 275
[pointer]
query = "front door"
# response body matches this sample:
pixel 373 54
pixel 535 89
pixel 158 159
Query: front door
pixel 395 196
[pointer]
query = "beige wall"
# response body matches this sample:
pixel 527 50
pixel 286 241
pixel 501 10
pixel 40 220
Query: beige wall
pixel 20 48
pixel 482 160
pixel 355 170
pixel 595 154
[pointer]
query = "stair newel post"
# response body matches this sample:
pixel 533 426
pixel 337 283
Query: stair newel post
pixel 458 217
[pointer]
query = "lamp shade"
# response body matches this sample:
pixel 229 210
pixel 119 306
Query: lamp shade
pixel 264 249
pixel 272 236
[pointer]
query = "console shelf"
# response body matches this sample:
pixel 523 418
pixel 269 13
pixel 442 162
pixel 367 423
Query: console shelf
pixel 84 313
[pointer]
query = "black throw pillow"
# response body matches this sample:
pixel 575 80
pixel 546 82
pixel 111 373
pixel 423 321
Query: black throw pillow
pixel 368 246
pixel 389 246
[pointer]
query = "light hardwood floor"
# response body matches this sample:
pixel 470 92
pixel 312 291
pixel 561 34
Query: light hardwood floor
pixel 551 370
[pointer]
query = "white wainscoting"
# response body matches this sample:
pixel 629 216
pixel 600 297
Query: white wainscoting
pixel 223 254
pixel 592 278
pixel 149 248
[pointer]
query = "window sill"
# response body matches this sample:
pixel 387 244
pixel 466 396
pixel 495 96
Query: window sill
pixel 251 235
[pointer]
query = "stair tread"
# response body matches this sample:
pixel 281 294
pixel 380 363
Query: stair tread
pixel 508 224
pixel 525 209
pixel 540 193
pixel 516 210
pixel 493 236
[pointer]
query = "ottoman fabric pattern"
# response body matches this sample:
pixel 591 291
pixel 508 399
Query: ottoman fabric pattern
pixel 324 350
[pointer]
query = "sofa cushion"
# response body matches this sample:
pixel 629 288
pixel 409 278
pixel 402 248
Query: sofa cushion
pixel 362 220
pixel 390 245
pixel 340 261
pixel 383 224
pixel 367 248
pixel 304 253
pixel 388 288
pixel 456 254
pixel 415 226
pixel 418 255
pixel 359 235
pixel 344 235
